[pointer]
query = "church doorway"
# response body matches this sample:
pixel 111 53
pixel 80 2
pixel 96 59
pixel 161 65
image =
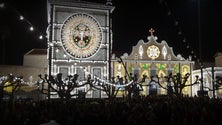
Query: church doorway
pixel 152 89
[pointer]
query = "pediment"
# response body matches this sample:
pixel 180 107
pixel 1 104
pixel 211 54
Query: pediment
pixel 153 50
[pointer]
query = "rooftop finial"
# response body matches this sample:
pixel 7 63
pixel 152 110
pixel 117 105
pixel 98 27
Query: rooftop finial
pixel 151 31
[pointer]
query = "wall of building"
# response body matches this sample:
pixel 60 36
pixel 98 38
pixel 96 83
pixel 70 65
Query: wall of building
pixel 39 61
pixel 218 59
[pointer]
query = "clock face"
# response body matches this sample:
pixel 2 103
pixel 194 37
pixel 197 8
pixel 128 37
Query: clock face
pixel 153 52
pixel 81 35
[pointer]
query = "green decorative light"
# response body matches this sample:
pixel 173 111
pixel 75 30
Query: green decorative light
pixel 176 68
pixel 160 66
pixel 145 66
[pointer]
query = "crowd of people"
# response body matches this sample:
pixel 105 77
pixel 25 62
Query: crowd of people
pixel 149 110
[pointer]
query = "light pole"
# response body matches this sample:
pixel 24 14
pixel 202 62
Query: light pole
pixel 200 48
pixel 199 30
pixel 213 83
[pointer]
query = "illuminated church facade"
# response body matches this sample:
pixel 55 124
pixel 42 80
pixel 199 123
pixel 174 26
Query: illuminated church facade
pixel 153 58
pixel 80 42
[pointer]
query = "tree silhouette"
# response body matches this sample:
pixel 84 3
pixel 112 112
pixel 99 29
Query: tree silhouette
pixel 62 87
pixel 111 89
pixel 117 84
pixel 12 82
pixel 135 88
pixel 175 83
pixel 217 84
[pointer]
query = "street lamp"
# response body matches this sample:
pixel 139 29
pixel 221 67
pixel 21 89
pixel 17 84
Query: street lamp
pixel 201 92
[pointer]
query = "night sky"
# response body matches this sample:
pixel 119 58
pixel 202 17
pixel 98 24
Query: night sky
pixel 175 21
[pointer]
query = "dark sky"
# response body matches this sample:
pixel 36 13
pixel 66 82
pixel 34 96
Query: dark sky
pixel 175 21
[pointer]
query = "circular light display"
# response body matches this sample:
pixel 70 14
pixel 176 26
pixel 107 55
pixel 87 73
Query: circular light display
pixel 81 35
pixel 153 52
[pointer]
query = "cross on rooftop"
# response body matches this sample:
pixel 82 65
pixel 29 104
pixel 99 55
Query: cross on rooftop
pixel 151 31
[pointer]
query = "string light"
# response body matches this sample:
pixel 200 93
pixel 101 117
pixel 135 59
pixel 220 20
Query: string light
pixel 31 28
pixel 40 37
pixel 180 33
pixel 22 18
pixel 104 81
pixel 64 55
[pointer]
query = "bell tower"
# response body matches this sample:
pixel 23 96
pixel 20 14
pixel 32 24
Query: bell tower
pixel 79 38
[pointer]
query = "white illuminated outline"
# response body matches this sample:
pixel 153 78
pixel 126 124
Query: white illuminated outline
pixel 141 51
pixel 81 35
